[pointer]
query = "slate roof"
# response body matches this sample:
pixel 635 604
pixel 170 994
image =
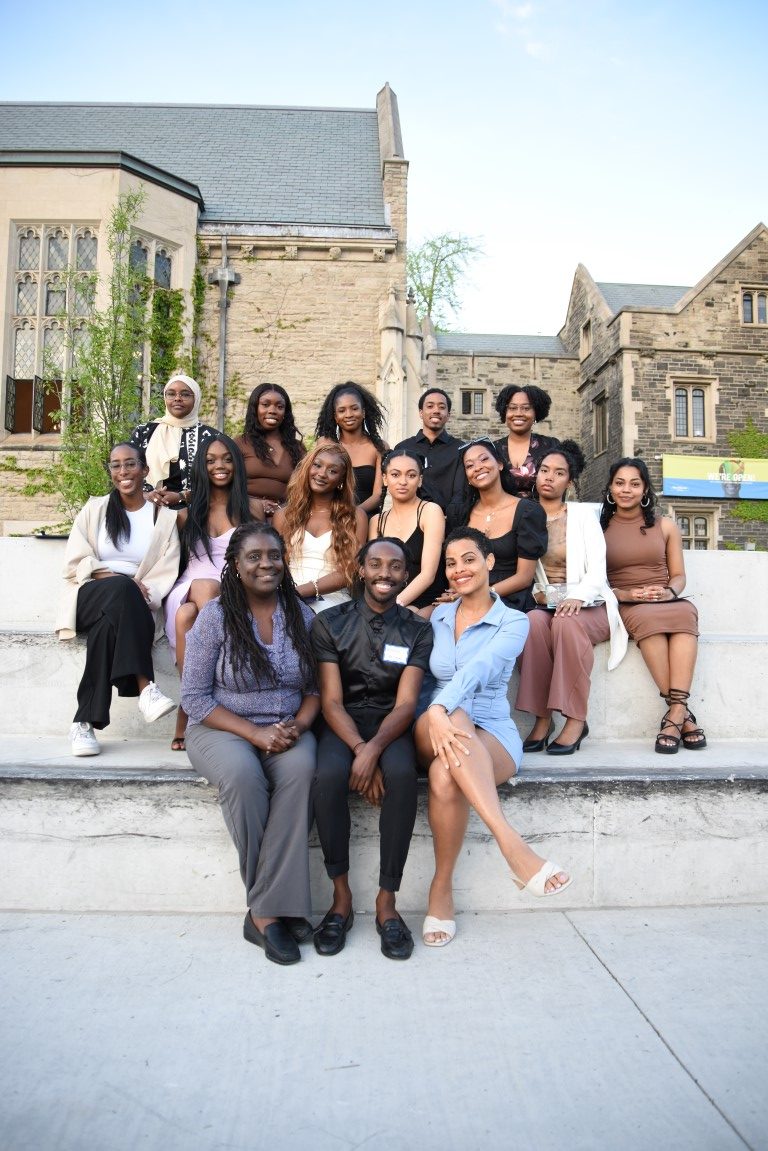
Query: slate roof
pixel 462 343
pixel 618 296
pixel 315 166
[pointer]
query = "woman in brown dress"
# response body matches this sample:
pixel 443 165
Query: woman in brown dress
pixel 271 445
pixel 644 554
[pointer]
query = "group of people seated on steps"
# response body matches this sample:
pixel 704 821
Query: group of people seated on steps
pixel 348 616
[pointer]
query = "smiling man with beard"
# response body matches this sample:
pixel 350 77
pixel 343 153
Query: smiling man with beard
pixel 372 655
pixel 443 477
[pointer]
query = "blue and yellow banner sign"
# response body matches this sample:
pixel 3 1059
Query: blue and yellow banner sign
pixel 715 477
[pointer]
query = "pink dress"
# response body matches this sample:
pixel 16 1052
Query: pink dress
pixel 199 567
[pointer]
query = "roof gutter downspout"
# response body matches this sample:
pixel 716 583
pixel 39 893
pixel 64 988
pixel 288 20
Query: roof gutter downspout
pixel 223 276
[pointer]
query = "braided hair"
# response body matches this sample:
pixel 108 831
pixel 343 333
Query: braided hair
pixel 116 522
pixel 608 510
pixel 290 436
pixel 373 414
pixel 195 530
pixel 241 647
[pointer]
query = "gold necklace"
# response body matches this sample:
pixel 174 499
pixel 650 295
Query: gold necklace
pixel 467 616
pixel 557 515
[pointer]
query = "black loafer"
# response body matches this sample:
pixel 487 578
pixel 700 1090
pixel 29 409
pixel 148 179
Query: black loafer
pixel 396 939
pixel 276 941
pixel 331 933
pixel 301 929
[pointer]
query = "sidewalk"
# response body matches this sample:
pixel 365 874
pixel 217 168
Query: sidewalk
pixel 636 1030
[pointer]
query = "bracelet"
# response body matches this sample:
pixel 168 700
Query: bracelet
pixel 360 743
pixel 317 589
pixel 674 593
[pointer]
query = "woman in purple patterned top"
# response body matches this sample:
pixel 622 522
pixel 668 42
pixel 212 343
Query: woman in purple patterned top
pixel 250 692
pixel 520 407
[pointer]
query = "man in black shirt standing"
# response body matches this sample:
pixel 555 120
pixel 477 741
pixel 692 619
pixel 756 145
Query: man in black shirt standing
pixel 443 471
pixel 371 656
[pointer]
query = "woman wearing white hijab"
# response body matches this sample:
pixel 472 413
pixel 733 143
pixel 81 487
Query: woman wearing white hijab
pixel 172 442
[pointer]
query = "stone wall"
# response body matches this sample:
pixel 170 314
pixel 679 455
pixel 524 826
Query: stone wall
pixel 489 374
pixel 303 317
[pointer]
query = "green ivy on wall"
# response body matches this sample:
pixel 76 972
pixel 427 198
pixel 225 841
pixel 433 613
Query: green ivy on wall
pixel 751 444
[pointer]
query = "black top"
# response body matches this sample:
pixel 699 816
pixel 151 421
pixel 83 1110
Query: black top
pixel 527 539
pixel 371 649
pixel 191 439
pixel 524 477
pixel 415 547
pixel 365 478
pixel 443 468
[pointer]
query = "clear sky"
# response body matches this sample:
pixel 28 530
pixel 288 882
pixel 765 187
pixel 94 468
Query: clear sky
pixel 628 137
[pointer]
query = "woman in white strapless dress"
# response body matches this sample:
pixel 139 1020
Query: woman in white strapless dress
pixel 218 503
pixel 322 527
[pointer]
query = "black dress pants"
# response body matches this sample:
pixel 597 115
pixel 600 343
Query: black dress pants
pixel 120 629
pixel 330 795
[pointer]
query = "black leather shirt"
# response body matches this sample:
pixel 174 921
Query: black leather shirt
pixel 371 649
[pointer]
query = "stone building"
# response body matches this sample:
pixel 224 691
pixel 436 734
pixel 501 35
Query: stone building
pixel 296 217
pixel 638 370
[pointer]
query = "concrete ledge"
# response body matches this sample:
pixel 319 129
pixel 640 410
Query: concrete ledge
pixel 39 677
pixel 116 837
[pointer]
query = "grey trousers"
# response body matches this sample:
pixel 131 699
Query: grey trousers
pixel 265 800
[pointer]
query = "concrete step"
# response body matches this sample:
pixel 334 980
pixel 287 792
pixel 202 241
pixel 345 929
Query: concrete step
pixel 39 678
pixel 136 830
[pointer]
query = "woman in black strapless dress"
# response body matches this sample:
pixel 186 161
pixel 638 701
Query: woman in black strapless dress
pixel 353 417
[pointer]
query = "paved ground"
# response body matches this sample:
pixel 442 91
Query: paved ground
pixel 547 1031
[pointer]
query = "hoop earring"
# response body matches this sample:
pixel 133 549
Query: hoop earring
pixel 608 500
pixel 645 502
pixel 338 432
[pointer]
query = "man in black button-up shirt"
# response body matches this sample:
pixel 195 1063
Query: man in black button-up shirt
pixel 443 471
pixel 372 655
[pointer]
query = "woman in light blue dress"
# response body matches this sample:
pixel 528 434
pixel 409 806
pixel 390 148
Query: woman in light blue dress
pixel 466 737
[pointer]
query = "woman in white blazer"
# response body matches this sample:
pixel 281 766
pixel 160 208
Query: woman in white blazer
pixel 576 610
pixel 122 558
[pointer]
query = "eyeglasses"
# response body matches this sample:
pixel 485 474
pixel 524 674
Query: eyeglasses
pixel 515 411
pixel 179 395
pixel 124 465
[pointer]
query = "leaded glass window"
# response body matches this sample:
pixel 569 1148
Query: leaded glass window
pixel 83 303
pixel 162 268
pixel 26 297
pixel 24 353
pixel 54 347
pixel 138 257
pixel 79 343
pixel 29 251
pixel 86 251
pixel 55 297
pixel 58 251
pixel 681 412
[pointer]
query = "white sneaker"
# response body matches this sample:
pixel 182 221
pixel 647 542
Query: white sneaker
pixel 153 704
pixel 83 740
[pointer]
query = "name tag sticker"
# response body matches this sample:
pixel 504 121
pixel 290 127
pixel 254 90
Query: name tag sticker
pixel 393 653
